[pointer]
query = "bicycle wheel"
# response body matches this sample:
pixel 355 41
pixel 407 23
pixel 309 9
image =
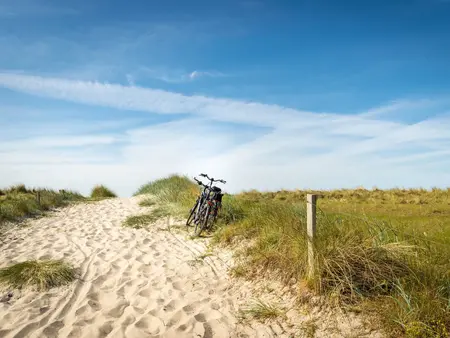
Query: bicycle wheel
pixel 193 212
pixel 202 222
pixel 212 216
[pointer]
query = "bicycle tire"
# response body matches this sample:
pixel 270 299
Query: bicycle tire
pixel 193 212
pixel 217 208
pixel 200 225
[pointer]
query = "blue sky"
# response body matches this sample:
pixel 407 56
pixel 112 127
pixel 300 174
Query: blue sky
pixel 267 94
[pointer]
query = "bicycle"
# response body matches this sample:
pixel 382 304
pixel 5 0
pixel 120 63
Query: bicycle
pixel 205 210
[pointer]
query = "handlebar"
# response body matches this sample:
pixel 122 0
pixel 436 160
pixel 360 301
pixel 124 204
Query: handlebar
pixel 199 182
pixel 209 178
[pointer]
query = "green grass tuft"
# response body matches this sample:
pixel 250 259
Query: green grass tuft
pixel 39 274
pixel 18 201
pixel 139 221
pixel 148 202
pixel 238 271
pixel 261 311
pixel 100 192
pixel 176 192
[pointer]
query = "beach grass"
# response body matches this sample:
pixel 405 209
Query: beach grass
pixel 102 192
pixel 18 202
pixel 41 275
pixel 384 252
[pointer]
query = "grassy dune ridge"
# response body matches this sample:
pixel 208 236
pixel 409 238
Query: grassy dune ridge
pixel 19 201
pixel 385 252
pixel 173 195
pixel 100 192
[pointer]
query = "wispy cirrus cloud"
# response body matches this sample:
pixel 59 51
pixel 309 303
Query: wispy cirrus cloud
pixel 198 74
pixel 251 144
pixel 154 100
pixel 173 76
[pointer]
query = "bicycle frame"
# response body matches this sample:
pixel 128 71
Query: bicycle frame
pixel 206 196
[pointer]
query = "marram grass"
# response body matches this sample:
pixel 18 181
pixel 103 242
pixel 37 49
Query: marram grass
pixel 18 202
pixel 384 251
pixel 42 275
pixel 100 191
pixel 261 311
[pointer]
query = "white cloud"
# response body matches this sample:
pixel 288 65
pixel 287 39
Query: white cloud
pixel 58 142
pixel 197 74
pixel 156 101
pixel 175 76
pixel 251 145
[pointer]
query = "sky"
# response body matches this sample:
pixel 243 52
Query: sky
pixel 266 94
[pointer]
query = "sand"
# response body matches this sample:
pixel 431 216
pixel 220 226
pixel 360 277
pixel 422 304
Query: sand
pixel 133 282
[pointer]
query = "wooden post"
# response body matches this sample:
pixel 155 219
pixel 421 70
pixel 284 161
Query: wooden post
pixel 38 198
pixel 311 200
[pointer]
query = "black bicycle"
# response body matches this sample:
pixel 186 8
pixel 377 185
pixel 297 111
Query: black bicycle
pixel 205 210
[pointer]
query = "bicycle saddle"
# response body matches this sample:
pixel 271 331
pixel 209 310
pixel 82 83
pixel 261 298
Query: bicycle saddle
pixel 216 189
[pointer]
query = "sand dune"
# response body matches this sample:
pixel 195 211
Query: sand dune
pixel 142 283
pixel 133 283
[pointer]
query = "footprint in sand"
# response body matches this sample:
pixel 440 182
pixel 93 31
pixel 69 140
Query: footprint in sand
pixel 175 319
pixel 190 308
pixel 84 322
pixel 98 282
pixel 200 318
pixel 150 325
pixel 172 305
pixel 145 292
pixel 75 333
pixel 118 310
pixel 130 319
pixel 51 331
pixel 105 329
pixel 178 285
pixel 94 305
pixel 140 303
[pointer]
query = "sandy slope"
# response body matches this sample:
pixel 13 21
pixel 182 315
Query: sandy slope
pixel 134 283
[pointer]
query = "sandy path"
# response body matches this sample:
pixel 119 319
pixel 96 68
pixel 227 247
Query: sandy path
pixel 134 283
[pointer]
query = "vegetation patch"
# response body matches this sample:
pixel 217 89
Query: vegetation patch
pixel 18 201
pixel 142 221
pixel 394 261
pixel 101 192
pixel 39 274
pixel 139 221
pixel 176 193
pixel 148 202
pixel 261 311
pixel 386 252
